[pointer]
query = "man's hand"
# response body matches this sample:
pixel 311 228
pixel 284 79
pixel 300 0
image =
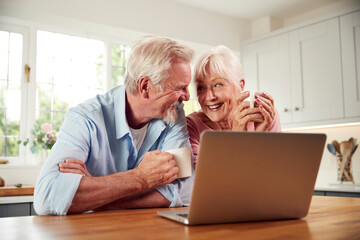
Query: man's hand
pixel 156 169
pixel 73 166
pixel 129 189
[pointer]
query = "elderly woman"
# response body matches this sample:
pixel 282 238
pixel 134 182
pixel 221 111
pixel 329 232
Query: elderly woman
pixel 220 91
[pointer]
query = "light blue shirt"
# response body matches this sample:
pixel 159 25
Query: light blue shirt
pixel 97 133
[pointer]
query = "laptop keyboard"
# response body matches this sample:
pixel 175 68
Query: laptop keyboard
pixel 185 215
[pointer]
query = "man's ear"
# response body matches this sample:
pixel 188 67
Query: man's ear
pixel 242 84
pixel 143 87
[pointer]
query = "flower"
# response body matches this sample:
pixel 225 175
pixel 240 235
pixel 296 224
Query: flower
pixel 44 137
pixel 46 127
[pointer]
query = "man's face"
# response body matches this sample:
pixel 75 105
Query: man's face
pixel 175 90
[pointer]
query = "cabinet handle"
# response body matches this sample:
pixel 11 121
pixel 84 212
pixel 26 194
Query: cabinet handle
pixel 297 108
pixel 286 110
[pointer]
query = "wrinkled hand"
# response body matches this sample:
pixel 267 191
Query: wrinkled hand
pixel 265 104
pixel 73 166
pixel 241 113
pixel 157 168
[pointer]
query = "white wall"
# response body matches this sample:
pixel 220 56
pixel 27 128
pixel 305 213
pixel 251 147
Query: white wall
pixel 328 168
pixel 131 18
pixel 24 174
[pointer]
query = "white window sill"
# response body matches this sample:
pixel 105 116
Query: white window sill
pixel 21 166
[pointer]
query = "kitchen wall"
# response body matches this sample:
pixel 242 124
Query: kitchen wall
pixel 129 19
pixel 20 174
pixel 328 168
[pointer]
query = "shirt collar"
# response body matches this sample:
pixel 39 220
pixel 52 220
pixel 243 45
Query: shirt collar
pixel 122 126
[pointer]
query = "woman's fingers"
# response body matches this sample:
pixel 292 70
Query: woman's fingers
pixel 242 96
pixel 264 126
pixel 267 105
pixel 268 96
pixel 242 115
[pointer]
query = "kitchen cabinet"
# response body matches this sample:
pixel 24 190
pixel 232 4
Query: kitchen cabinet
pixel 267 67
pixel 336 194
pixel 315 60
pixel 17 209
pixel 350 46
pixel 302 70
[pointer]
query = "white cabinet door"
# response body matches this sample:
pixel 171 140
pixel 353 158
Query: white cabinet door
pixel 266 67
pixel 315 59
pixel 350 46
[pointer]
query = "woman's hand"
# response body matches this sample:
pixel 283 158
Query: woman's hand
pixel 265 103
pixel 241 113
pixel 74 166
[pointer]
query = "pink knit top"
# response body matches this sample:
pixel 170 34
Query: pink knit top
pixel 196 126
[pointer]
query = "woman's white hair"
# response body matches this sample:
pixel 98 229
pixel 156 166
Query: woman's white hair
pixel 220 61
pixel 152 57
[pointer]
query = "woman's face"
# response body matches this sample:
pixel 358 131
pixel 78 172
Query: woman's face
pixel 215 95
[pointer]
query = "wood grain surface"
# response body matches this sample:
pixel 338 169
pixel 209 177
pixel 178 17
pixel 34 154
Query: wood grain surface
pixel 12 190
pixel 328 218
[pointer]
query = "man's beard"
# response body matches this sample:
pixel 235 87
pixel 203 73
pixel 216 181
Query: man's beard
pixel 172 114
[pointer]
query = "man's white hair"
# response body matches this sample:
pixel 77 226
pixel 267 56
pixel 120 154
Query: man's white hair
pixel 152 57
pixel 220 61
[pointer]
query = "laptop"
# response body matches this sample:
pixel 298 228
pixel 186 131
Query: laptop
pixel 251 176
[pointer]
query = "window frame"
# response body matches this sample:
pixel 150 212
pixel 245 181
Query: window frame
pixel 24 31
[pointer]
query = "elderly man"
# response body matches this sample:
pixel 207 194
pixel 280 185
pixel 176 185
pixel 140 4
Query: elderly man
pixel 113 144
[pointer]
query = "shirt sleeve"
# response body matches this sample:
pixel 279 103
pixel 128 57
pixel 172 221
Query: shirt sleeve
pixel 54 191
pixel 179 191
pixel 275 125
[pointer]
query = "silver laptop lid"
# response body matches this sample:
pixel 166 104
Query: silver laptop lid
pixel 244 176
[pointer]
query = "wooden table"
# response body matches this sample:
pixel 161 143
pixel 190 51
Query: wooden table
pixel 328 218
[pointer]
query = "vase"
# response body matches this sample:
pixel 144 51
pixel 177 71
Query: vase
pixel 42 156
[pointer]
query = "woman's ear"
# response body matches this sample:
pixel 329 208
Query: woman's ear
pixel 143 87
pixel 242 84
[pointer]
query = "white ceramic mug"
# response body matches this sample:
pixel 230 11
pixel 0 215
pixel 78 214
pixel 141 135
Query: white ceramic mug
pixel 251 99
pixel 182 157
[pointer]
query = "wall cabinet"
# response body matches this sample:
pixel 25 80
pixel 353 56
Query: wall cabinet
pixel 267 67
pixel 303 69
pixel 316 72
pixel 350 46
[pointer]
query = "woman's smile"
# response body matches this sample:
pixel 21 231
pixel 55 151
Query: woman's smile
pixel 215 107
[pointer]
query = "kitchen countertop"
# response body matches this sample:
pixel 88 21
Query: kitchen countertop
pixel 334 187
pixel 328 218
pixel 16 199
pixel 339 187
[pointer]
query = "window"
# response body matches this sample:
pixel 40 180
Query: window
pixel 191 105
pixel 69 70
pixel 119 57
pixel 12 56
